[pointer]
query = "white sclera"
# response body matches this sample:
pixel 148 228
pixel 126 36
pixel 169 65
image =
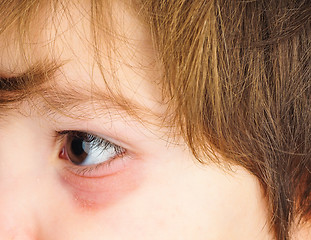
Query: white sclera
pixel 97 154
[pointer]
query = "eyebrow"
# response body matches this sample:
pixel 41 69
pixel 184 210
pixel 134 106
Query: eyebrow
pixel 32 76
pixel 37 80
pixel 15 87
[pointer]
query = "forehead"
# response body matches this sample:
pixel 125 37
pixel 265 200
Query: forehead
pixel 113 51
pixel 64 27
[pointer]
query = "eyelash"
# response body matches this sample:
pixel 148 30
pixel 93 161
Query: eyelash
pixel 97 142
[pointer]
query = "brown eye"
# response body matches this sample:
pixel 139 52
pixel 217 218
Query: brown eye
pixel 87 149
pixel 77 148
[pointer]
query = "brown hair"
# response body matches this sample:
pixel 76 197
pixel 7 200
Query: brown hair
pixel 237 76
pixel 239 73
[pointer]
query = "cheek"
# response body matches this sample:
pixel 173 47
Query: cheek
pixel 100 193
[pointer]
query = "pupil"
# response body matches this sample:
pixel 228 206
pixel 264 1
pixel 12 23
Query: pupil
pixel 77 146
pixel 76 150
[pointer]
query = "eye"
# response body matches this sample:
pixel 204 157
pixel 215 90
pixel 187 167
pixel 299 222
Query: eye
pixel 86 149
pixel 94 170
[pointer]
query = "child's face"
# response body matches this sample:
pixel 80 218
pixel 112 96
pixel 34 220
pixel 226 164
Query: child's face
pixel 150 187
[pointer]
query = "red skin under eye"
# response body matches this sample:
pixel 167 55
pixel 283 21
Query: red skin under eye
pixel 101 187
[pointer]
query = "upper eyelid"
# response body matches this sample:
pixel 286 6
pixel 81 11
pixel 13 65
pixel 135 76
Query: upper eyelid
pixel 129 145
pixel 102 140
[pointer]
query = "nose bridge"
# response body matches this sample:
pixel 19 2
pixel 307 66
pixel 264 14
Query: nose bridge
pixel 18 210
pixel 22 149
pixel 19 188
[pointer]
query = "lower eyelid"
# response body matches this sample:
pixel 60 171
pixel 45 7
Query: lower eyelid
pixel 91 192
pixel 101 170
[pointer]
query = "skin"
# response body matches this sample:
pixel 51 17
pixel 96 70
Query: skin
pixel 157 190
